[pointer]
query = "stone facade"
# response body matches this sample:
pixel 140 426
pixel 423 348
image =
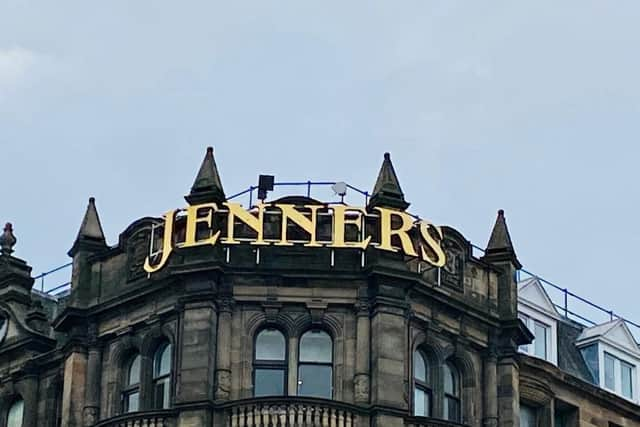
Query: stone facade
pixel 68 359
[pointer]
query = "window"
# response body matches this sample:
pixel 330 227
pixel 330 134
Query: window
pixel 269 364
pixel 315 365
pixel 162 376
pixel 451 393
pixel 16 411
pixel 131 390
pixel 619 376
pixel 540 347
pixel 421 386
pixel 528 416
pixel 4 324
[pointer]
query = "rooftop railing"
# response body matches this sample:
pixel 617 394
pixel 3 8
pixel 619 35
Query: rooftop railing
pixel 569 304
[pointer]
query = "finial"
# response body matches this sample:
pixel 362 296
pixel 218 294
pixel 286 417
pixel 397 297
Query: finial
pixel 387 191
pixel 7 240
pixel 209 150
pixel 501 213
pixel 92 200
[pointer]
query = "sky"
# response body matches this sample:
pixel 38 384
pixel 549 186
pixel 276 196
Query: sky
pixel 531 106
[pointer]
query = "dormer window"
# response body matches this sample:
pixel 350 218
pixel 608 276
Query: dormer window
pixel 612 356
pixel 619 376
pixel 538 313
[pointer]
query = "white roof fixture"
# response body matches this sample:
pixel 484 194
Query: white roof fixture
pixel 614 333
pixel 539 314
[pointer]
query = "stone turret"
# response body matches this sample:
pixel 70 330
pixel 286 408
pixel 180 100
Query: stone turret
pixel 387 192
pixel 207 186
pixel 500 253
pixel 89 241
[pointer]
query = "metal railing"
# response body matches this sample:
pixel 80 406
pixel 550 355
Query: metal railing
pixel 58 289
pixel 573 306
pixel 308 185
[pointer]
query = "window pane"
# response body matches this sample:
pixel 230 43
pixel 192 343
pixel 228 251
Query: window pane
pixel 270 345
pixel 422 403
pixel 609 371
pixel 16 411
pixel 540 341
pixel 419 367
pixel 316 346
pixel 527 416
pixel 268 382
pixel 315 380
pixel 162 388
pixel 450 380
pixel 590 355
pixel 627 383
pixel 451 409
pixel 525 320
pixel 162 361
pixel 132 403
pixel 134 371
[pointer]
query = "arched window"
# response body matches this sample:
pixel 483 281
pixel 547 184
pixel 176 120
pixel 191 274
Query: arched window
pixel 421 386
pixel 269 363
pixel 315 365
pixel 131 389
pixel 451 393
pixel 162 376
pixel 14 417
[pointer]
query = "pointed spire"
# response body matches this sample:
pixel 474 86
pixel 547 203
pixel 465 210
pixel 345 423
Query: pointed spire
pixel 500 241
pixel 207 187
pixel 90 232
pixel 387 191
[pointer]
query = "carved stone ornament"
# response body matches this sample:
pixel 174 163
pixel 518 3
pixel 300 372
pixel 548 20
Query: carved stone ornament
pixel 361 387
pixel 453 270
pixel 223 388
pixel 137 249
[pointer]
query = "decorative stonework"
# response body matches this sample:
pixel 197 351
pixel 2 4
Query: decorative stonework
pixel 223 384
pixel 137 250
pixel 361 388
pixel 453 271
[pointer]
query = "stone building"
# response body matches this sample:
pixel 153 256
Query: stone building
pixel 298 334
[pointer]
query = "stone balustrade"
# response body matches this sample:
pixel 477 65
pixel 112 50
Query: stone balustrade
pixel 162 418
pixel 292 412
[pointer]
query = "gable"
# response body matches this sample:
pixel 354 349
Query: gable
pixel 621 335
pixel 532 292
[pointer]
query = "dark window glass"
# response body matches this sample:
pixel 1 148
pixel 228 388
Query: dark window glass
pixel 528 416
pixel 315 365
pixel 131 390
pixel 162 361
pixel 451 393
pixel 270 363
pixel 540 341
pixel 269 382
pixel 421 386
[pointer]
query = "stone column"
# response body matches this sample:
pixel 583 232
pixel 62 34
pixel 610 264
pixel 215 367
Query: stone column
pixel 363 355
pixel 223 359
pixel 75 376
pixel 508 392
pixel 490 387
pixel 29 390
pixel 91 411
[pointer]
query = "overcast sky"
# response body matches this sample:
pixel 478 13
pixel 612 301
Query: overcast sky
pixel 530 106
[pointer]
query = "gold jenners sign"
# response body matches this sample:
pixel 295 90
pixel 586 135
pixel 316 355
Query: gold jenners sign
pixel 313 226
